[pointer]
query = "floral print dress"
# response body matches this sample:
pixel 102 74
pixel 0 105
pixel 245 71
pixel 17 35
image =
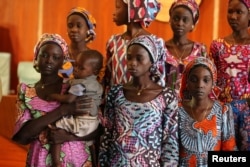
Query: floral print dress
pixel 175 67
pixel 140 134
pixel 30 106
pixel 233 64
pixel 214 133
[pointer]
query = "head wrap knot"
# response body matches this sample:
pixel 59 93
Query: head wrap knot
pixel 156 53
pixel 190 4
pixel 143 11
pixel 54 38
pixel 90 20
pixel 197 62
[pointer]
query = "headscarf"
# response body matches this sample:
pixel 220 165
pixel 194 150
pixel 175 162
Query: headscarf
pixel 55 38
pixel 90 20
pixel 156 55
pixel 199 61
pixel 190 4
pixel 143 11
pixel 245 2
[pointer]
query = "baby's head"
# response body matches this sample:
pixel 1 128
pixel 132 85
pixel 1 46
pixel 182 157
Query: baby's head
pixel 88 63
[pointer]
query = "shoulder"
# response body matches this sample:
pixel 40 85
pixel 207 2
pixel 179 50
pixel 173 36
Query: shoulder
pixel 223 107
pixel 114 38
pixel 169 95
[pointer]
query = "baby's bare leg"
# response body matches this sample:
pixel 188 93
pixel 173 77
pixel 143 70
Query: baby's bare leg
pixel 55 154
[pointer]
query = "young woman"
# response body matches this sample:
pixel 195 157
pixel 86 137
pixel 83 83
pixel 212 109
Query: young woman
pixel 140 116
pixel 35 113
pixel 231 55
pixel 204 124
pixel 127 13
pixel 184 15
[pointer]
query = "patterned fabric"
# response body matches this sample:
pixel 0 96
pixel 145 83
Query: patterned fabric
pixel 116 71
pixel 246 2
pixel 157 55
pixel 196 62
pixel 30 106
pixel 90 20
pixel 140 134
pixel 190 4
pixel 176 67
pixel 55 38
pixel 233 60
pixel 214 133
pixel 143 11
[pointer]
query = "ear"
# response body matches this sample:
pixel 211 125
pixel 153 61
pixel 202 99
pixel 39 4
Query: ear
pixel 192 28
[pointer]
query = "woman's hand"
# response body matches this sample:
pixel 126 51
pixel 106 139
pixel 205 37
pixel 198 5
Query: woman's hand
pixel 84 104
pixel 59 136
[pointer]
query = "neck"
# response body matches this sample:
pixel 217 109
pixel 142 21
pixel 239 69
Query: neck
pixel 182 40
pixel 141 82
pixel 197 103
pixel 240 34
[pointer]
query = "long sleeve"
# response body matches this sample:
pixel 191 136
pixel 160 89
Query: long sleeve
pixel 108 124
pixel 170 143
pixel 228 132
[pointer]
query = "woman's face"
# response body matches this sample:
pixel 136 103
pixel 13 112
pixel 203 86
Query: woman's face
pixel 120 16
pixel 50 59
pixel 138 60
pixel 237 15
pixel 77 28
pixel 181 21
pixel 200 82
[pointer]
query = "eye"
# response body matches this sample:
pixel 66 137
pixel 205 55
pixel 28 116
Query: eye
pixel 70 25
pixel 176 18
pixel 79 25
pixel 207 79
pixel 193 79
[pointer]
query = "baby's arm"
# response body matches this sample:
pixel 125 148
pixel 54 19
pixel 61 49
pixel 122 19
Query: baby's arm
pixel 63 98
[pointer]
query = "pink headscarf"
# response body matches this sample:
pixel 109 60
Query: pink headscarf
pixel 190 4
pixel 55 38
pixel 199 61
pixel 144 11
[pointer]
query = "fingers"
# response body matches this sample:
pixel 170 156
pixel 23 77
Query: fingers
pixel 52 127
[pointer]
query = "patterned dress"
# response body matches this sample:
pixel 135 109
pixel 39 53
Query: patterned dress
pixel 214 133
pixel 140 134
pixel 116 71
pixel 233 62
pixel 30 106
pixel 175 67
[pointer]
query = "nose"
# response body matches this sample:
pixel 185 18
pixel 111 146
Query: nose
pixel 200 84
pixel 49 59
pixel 233 15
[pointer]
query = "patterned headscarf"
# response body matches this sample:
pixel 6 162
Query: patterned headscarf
pixel 156 55
pixel 245 2
pixel 190 4
pixel 143 11
pixel 55 38
pixel 196 62
pixel 90 20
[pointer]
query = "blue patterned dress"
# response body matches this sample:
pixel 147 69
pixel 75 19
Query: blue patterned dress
pixel 140 134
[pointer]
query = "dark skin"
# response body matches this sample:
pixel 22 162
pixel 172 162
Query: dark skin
pixel 181 22
pixel 238 18
pixel 120 17
pixel 138 61
pixel 200 85
pixel 50 59
pixel 77 32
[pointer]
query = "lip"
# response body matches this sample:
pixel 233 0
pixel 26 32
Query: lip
pixel 132 70
pixel 199 93
pixel 73 36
